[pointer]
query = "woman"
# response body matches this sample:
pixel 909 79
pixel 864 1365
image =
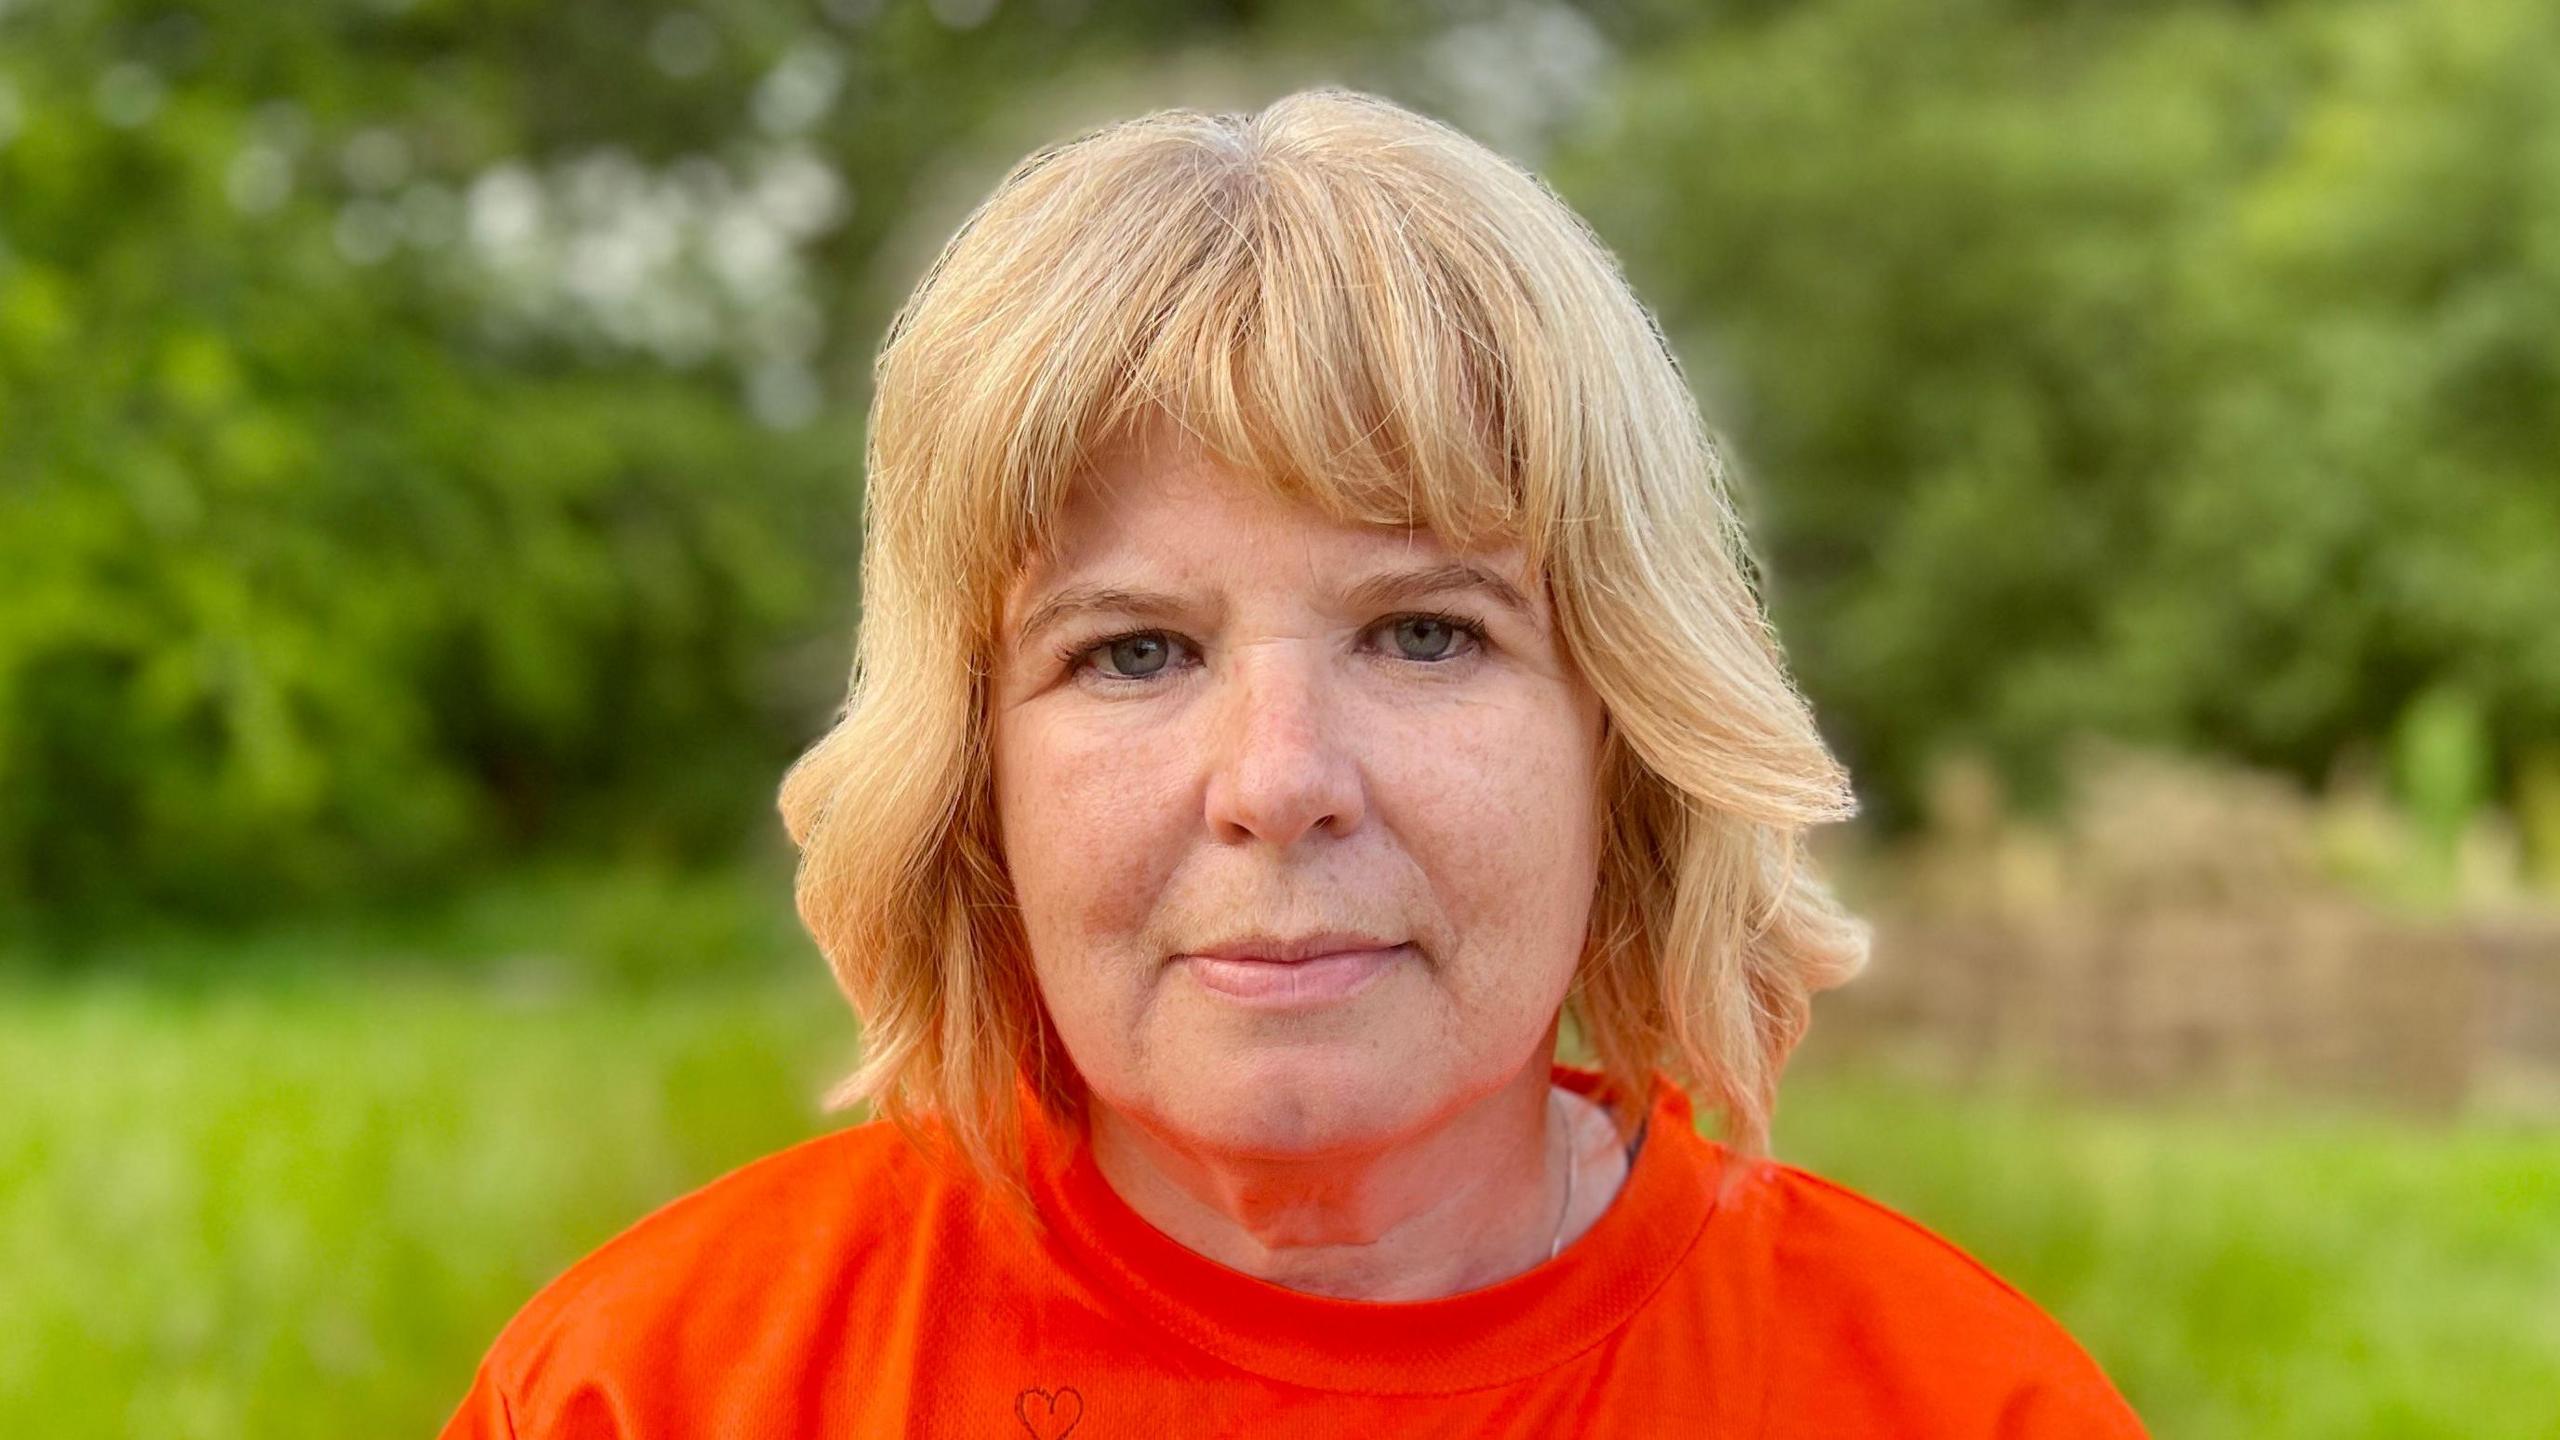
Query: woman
pixel 1307 652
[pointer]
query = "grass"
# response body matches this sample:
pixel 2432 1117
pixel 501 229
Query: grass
pixel 304 1211
pixel 299 1201
pixel 2266 1274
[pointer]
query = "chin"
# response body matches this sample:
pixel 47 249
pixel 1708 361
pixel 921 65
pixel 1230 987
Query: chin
pixel 1297 1102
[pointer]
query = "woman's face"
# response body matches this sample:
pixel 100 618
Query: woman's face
pixel 1227 727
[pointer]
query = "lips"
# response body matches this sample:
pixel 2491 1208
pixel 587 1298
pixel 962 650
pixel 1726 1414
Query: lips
pixel 1319 971
pixel 1295 949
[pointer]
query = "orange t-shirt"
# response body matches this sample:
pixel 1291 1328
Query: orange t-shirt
pixel 851 1287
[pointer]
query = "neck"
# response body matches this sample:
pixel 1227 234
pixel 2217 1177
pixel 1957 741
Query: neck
pixel 1473 1200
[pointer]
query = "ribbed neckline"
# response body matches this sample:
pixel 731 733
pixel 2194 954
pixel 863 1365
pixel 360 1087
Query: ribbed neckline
pixel 1500 1333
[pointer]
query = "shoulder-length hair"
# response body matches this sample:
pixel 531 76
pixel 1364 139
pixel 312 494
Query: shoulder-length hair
pixel 1378 315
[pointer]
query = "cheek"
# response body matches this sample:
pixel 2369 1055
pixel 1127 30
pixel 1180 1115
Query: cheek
pixel 1089 822
pixel 1499 806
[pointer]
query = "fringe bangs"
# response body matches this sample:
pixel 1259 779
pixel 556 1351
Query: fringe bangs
pixel 1333 328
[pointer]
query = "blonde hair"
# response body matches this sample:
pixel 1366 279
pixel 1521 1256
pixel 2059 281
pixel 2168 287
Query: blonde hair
pixel 1380 316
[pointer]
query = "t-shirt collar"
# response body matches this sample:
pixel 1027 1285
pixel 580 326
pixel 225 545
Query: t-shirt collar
pixel 1502 1332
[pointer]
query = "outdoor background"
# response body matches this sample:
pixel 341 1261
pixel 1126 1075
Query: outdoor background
pixel 429 470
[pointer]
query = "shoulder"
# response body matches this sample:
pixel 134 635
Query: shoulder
pixel 1830 1240
pixel 768 1252
pixel 1866 1301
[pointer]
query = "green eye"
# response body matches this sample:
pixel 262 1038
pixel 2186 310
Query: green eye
pixel 1423 637
pixel 1136 656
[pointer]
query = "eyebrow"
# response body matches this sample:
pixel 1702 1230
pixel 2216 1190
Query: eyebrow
pixel 1447 579
pixel 1453 577
pixel 1071 601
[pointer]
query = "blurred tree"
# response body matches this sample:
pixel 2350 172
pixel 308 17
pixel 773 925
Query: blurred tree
pixel 2188 372
pixel 339 550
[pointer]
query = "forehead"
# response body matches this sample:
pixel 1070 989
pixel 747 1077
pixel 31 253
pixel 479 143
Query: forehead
pixel 1165 506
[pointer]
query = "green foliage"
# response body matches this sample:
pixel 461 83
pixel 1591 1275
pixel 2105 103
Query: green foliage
pixel 2187 372
pixel 2538 811
pixel 319 580
pixel 2441 769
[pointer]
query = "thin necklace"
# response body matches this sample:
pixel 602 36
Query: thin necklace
pixel 1571 1160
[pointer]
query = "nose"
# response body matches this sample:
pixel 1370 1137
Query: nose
pixel 1280 762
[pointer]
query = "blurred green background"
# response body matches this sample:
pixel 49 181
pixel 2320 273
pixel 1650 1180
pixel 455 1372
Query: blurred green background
pixel 429 478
